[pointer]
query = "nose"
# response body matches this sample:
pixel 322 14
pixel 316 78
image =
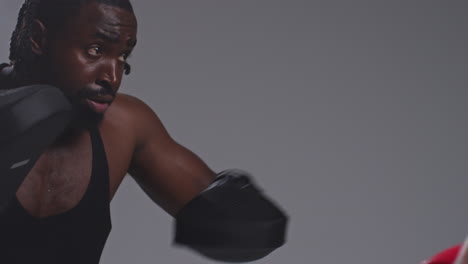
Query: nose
pixel 109 76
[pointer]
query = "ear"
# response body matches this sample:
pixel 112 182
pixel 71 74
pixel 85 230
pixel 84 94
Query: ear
pixel 38 37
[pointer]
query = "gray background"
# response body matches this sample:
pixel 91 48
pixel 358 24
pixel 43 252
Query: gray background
pixel 351 114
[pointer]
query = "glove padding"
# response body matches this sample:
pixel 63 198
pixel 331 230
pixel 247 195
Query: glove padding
pixel 231 221
pixel 31 118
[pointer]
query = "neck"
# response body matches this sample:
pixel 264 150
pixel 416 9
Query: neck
pixel 76 127
pixel 68 136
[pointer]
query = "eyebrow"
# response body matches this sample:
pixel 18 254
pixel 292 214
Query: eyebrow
pixel 113 38
pixel 107 36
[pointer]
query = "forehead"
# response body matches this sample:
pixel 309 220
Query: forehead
pixel 94 16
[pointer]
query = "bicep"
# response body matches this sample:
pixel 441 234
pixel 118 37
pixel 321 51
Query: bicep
pixel 168 172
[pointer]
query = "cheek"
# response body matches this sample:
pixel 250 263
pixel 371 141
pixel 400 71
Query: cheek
pixel 71 71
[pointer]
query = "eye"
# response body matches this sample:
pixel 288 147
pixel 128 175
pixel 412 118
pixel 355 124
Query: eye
pixel 94 51
pixel 124 57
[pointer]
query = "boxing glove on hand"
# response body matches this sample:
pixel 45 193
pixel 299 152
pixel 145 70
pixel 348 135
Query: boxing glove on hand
pixel 231 221
pixel 31 118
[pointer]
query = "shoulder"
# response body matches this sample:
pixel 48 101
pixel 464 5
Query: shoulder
pixel 129 102
pixel 130 110
pixel 134 116
pixel 5 78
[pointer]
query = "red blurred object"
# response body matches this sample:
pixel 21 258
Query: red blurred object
pixel 446 256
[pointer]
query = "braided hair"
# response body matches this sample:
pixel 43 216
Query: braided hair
pixel 53 14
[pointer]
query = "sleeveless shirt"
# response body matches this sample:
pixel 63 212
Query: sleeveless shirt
pixel 76 236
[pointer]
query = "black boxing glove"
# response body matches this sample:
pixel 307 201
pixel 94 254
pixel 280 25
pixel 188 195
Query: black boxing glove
pixel 231 221
pixel 31 117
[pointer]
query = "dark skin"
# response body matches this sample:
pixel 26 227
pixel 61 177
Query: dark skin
pixel 85 58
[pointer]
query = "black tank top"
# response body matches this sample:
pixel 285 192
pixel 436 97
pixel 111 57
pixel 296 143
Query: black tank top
pixel 76 236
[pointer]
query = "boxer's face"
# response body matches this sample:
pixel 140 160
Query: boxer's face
pixel 87 58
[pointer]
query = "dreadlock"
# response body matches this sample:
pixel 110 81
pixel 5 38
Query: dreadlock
pixel 53 14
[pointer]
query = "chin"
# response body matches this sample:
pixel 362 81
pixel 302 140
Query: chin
pixel 85 115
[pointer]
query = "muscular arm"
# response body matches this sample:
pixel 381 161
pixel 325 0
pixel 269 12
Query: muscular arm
pixel 232 219
pixel 169 173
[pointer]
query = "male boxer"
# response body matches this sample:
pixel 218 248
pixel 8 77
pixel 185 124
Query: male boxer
pixel 60 212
